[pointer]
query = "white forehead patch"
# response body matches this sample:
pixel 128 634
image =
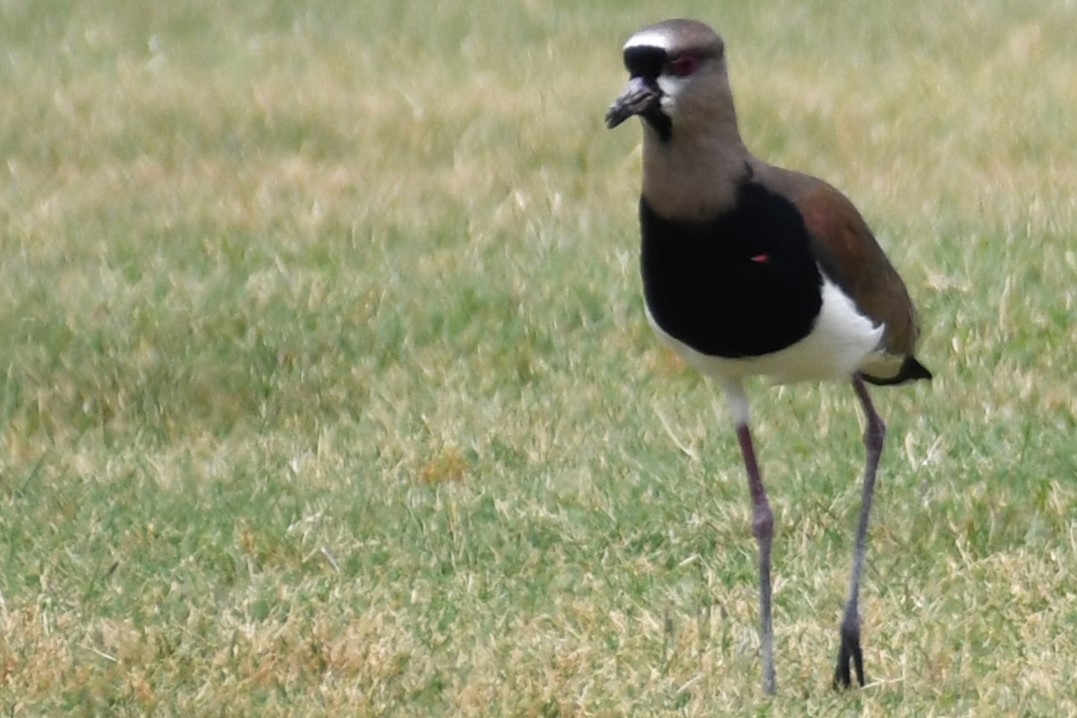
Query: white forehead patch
pixel 650 37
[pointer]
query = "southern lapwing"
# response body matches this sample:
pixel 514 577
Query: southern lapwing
pixel 749 269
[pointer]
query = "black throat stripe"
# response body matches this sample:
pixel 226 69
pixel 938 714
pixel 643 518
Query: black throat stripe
pixel 740 285
pixel 647 61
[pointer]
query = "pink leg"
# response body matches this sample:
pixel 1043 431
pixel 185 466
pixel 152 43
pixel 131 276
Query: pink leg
pixel 763 528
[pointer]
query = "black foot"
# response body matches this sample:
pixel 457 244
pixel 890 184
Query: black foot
pixel 850 656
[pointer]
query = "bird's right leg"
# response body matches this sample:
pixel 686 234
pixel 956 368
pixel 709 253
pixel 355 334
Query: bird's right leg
pixel 762 528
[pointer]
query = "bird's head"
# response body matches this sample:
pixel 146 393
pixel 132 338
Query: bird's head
pixel 678 78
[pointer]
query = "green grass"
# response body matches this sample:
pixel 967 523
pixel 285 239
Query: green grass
pixel 326 387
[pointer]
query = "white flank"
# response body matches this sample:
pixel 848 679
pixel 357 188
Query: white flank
pixel 839 344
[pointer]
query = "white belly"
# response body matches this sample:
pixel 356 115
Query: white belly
pixel 841 342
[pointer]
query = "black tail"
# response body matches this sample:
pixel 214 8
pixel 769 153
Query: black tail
pixel 910 370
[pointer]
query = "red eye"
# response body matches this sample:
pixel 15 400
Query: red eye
pixel 684 65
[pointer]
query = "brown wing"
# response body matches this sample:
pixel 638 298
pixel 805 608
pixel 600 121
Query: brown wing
pixel 849 254
pixel 847 251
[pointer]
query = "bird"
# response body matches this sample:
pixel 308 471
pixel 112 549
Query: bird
pixel 749 269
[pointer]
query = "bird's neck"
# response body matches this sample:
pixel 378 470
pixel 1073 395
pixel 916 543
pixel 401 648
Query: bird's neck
pixel 694 175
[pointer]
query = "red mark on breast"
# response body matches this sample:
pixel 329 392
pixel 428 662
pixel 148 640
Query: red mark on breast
pixel 761 258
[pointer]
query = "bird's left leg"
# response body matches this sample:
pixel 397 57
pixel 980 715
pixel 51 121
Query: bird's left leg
pixel 850 654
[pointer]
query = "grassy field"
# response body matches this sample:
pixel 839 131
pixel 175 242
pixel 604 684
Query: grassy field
pixel 326 387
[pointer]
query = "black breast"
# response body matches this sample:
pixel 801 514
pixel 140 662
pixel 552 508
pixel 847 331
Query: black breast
pixel 742 284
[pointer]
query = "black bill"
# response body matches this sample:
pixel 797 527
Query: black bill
pixel 639 97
